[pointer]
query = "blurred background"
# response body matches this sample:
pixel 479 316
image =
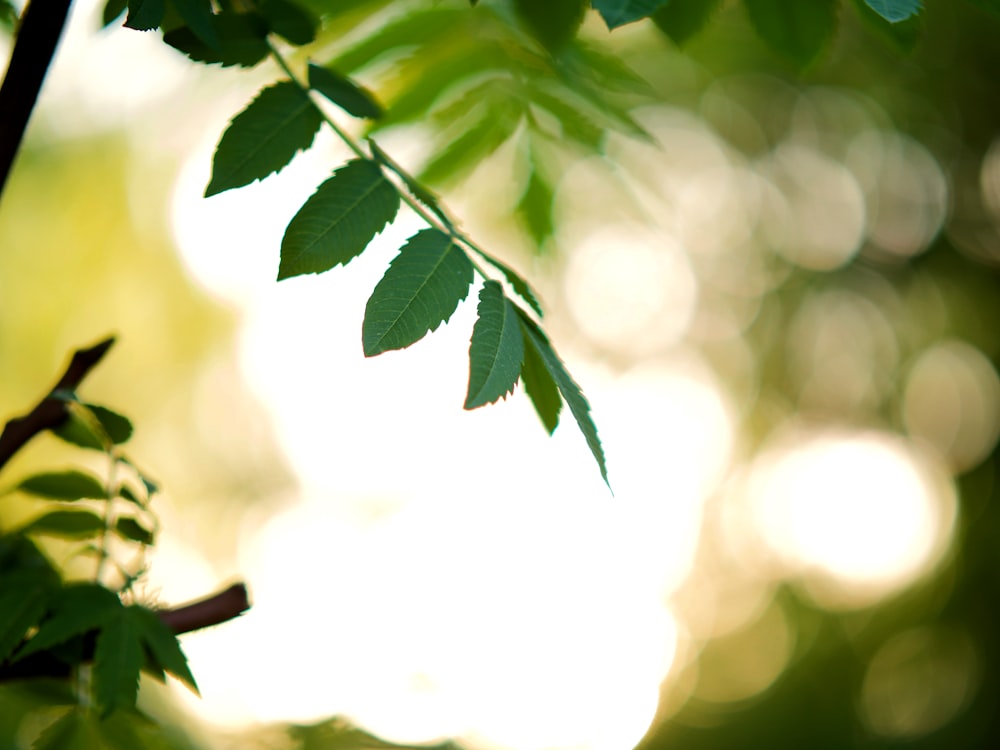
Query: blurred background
pixel 776 285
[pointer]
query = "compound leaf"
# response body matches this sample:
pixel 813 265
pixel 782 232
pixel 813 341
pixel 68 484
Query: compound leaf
pixel 894 11
pixel 118 658
pixel 67 524
pixel 420 290
pixel 242 40
pixel 344 92
pixel 264 137
pixel 496 350
pixel 682 19
pixel 64 485
pixel 795 29
pixel 162 645
pixel 339 220
pixel 77 609
pixel 536 342
pixel 620 12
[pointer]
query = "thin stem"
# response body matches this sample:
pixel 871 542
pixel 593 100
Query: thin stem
pixel 109 501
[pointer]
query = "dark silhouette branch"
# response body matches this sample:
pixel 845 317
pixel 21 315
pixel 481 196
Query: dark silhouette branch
pixel 51 411
pixel 213 610
pixel 37 37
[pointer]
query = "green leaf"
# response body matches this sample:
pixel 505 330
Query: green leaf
pixel 77 609
pixel 130 529
pixel 264 137
pixel 554 22
pixel 458 155
pixel 339 220
pixel 620 12
pixel 517 283
pixel 242 40
pixel 537 342
pixel 993 6
pixel 72 731
pixel 343 92
pixel 496 350
pixel 93 427
pixel 535 209
pixel 23 595
pixel 64 485
pixel 290 21
pixel 682 19
pixel 894 11
pixel 126 493
pixel 144 15
pixel 113 10
pixel 541 388
pixel 903 35
pixel 162 645
pixel 197 14
pixel 67 524
pixel 117 660
pixel 420 290
pixel 798 30
pixel 418 191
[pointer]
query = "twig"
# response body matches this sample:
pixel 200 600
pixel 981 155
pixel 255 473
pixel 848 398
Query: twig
pixel 213 610
pixel 51 411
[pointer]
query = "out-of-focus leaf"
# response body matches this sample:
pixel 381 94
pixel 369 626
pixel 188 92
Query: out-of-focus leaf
pixel 620 12
pixel 242 40
pixel 163 645
pixel 290 21
pixel 402 33
pixel 496 349
pixel 535 208
pixel 903 35
pixel 77 609
pixel 535 339
pixel 197 14
pixel 64 485
pixel 991 5
pixel 72 731
pixel 8 14
pixel 118 658
pixel 67 524
pixel 458 155
pixel 264 137
pixel 345 93
pixel 113 10
pixel 131 530
pixel 339 220
pixel 420 290
pixel 553 22
pixel 797 30
pixel 23 594
pixel 894 11
pixel 144 15
pixel 682 19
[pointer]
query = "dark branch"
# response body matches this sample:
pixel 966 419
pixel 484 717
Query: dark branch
pixel 51 410
pixel 213 610
pixel 37 37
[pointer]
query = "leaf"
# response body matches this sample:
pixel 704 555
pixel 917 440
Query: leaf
pixel 290 21
pixel 23 594
pixel 460 154
pixel 993 6
pixel 144 15
pixel 117 661
pixel 130 529
pixel 536 340
pixel 113 10
pixel 535 209
pixel 554 22
pixel 77 609
pixel 420 290
pixel 541 388
pixel 798 30
pixel 67 524
pixel 418 191
pixel 620 12
pixel 93 427
pixel 894 11
pixel 242 40
pixel 517 283
pixel 339 220
pixel 682 19
pixel 163 645
pixel 903 35
pixel 264 137
pixel 343 92
pixel 496 350
pixel 72 731
pixel 64 485
pixel 197 14
pixel 126 493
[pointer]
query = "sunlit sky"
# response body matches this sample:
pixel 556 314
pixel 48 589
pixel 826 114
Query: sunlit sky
pixel 445 573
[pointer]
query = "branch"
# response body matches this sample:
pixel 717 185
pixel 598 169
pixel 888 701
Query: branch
pixel 37 37
pixel 213 610
pixel 51 410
